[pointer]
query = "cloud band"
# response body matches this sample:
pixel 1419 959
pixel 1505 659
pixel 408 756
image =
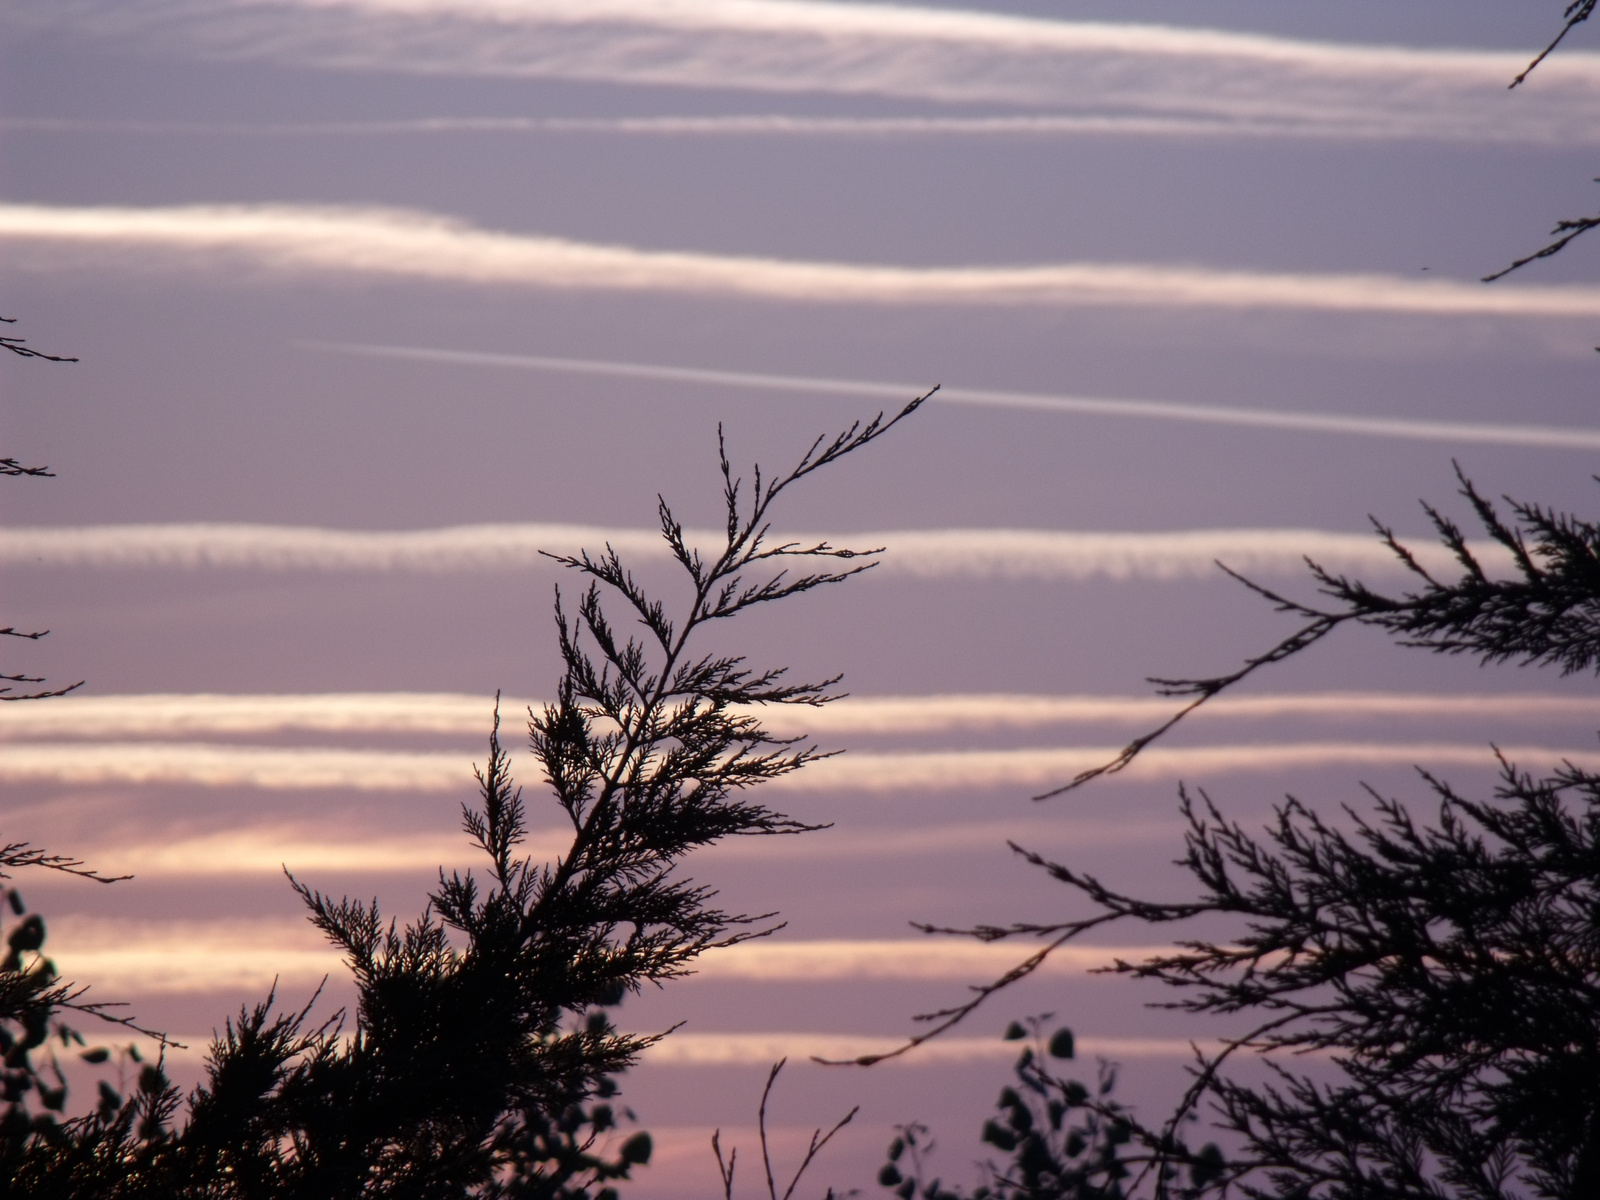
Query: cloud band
pixel 390 243
pixel 1018 554
pixel 941 55
pixel 210 765
pixel 181 715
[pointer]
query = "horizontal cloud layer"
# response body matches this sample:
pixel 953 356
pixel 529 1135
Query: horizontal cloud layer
pixel 923 553
pixel 1248 81
pixel 207 765
pixel 267 850
pixel 732 125
pixel 941 770
pixel 391 243
pixel 141 957
pixel 264 850
pixel 686 1049
pixel 178 715
pixel 279 768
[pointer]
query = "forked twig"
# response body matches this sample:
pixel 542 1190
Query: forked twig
pixel 818 1141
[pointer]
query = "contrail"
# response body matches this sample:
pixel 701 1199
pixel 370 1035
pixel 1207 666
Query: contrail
pixel 272 768
pixel 941 55
pixel 768 125
pixel 289 240
pixel 1555 437
pixel 1014 554
pixel 175 716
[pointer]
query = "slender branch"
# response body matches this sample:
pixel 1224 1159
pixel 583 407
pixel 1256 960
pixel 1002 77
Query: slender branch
pixel 20 347
pixel 10 466
pixel 1564 232
pixel 725 1170
pixel 761 1127
pixel 1576 14
pixel 1204 689
pixel 6 694
pixel 21 854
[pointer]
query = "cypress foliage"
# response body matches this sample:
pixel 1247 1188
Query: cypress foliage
pixel 1446 969
pixel 478 1060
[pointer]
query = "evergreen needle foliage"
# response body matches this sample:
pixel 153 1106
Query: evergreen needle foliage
pixel 1447 972
pixel 478 1059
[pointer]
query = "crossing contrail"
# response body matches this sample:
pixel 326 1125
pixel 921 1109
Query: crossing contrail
pixel 1545 436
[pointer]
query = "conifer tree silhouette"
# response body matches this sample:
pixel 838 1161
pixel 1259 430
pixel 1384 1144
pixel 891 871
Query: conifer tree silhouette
pixel 1448 969
pixel 479 1058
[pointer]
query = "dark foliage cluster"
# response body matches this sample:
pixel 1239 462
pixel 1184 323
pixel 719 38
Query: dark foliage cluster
pixel 35 1003
pixel 479 1058
pixel 1065 1140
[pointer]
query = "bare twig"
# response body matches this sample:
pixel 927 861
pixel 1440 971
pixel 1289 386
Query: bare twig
pixel 818 1141
pixel 19 346
pixel 1576 14
pixel 725 1170
pixel 21 854
pixel 10 466
pixel 1564 232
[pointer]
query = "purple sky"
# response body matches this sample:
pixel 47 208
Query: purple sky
pixel 1267 220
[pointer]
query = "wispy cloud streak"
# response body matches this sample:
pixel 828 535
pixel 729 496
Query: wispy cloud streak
pixel 184 715
pixel 130 957
pixel 179 715
pixel 685 1049
pixel 264 850
pixel 1551 437
pixel 750 125
pixel 897 958
pixel 871 771
pixel 390 243
pixel 216 766
pixel 923 553
pixel 279 768
pixel 142 956
pixel 943 55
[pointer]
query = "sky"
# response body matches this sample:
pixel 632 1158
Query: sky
pixel 374 300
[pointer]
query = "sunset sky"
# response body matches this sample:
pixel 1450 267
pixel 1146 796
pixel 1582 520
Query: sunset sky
pixel 376 299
